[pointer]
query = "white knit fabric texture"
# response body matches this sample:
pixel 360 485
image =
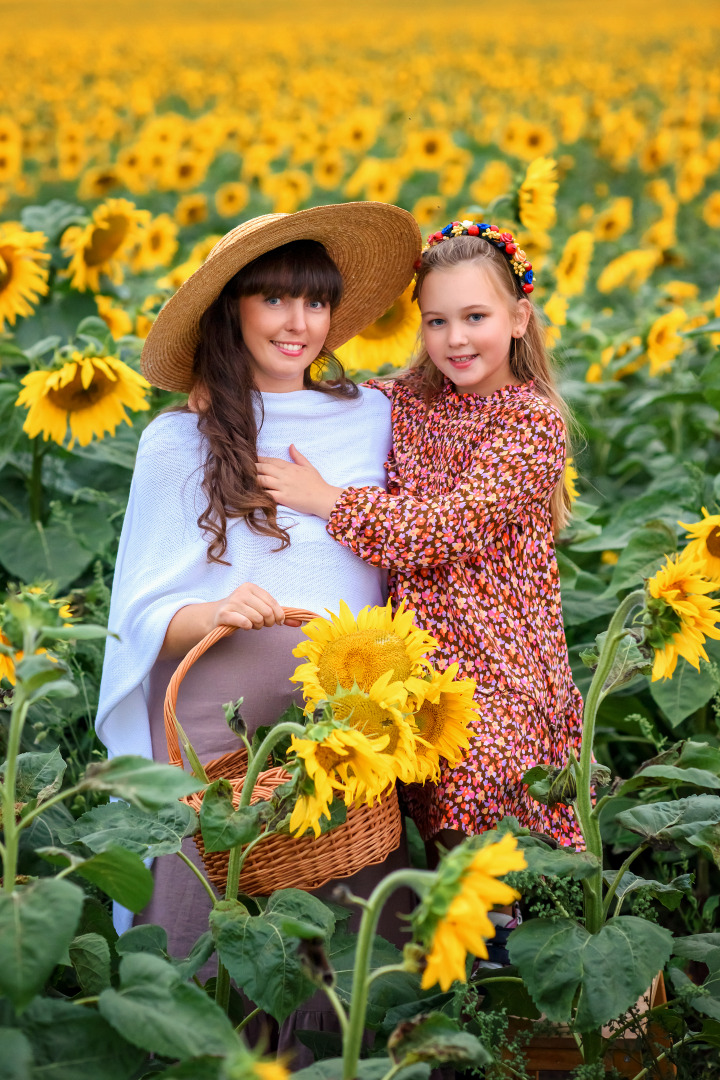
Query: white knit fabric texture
pixel 162 564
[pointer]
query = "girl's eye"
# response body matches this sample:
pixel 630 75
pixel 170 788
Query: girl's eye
pixel 435 322
pixel 476 317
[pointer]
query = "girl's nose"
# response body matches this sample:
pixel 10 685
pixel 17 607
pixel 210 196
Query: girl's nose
pixel 457 334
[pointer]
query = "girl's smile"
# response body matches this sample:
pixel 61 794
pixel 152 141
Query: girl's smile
pixel 468 326
pixel 283 335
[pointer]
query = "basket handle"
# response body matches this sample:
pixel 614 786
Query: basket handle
pixel 296 615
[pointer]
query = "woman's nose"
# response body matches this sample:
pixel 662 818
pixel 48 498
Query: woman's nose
pixel 295 315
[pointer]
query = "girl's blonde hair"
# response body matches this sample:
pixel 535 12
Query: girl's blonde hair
pixel 529 358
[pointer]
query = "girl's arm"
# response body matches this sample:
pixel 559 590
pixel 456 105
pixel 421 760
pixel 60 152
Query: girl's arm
pixel 248 607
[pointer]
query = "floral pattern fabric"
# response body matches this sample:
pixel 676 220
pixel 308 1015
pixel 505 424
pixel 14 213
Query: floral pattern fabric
pixel 465 531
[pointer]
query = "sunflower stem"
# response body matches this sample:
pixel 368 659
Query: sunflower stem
pixel 418 880
pixel 34 483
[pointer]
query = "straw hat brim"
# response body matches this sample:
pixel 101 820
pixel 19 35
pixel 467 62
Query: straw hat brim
pixel 374 245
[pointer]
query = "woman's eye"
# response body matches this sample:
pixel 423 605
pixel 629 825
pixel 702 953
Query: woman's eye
pixel 317 305
pixel 273 300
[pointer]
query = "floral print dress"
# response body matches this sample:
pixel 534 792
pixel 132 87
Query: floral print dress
pixel 466 534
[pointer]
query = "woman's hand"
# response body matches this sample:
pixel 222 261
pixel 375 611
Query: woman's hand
pixel 250 608
pixel 297 484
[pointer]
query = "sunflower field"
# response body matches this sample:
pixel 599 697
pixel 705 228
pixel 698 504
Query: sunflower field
pixel 131 140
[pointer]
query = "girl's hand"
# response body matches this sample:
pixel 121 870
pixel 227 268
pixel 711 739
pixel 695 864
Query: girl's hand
pixel 249 607
pixel 297 484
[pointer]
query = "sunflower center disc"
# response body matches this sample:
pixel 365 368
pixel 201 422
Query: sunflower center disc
pixel 367 716
pixel 6 269
pixel 388 323
pixel 106 241
pixel 362 658
pixel 74 397
pixel 712 543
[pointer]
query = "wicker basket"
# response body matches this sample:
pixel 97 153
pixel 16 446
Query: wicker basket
pixel 367 836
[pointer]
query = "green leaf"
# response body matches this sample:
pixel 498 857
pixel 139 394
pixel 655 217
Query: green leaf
pixel 200 1068
pixel 121 874
pixel 341 955
pixel 52 218
pixel 611 969
pixel 560 862
pixel 156 1010
pixel 434 1037
pixel 710 379
pixel 39 776
pixel 16 1055
pixel 368 1069
pixel 688 824
pixel 142 782
pixel 90 956
pixel 670 894
pixel 146 938
pixel 264 961
pixel 640 558
pixel 41 676
pixel 73 1043
pixel 662 506
pixel 223 826
pixel 37 924
pixel 32 552
pixel 146 833
pixel 82 632
pixel 686 692
pixel 707 1000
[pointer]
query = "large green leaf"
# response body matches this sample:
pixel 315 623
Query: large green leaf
pixel 37 924
pixel 561 862
pixel 74 1043
pixel 32 552
pixel 121 874
pixel 15 1054
pixel 434 1037
pixel 639 559
pixel 687 691
pixel 610 969
pixel 38 776
pixel 147 833
pixel 221 824
pixel 156 1010
pixel 670 894
pixel 142 782
pixel 689 824
pixel 90 956
pixel 152 940
pixel 265 960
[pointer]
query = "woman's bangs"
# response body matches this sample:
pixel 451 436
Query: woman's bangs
pixel 300 268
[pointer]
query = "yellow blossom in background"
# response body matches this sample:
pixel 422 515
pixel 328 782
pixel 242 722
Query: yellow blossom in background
pixel 704 546
pixel 681 586
pixel 630 270
pixel 494 180
pixel 231 198
pixel 614 221
pixel 664 342
pixel 572 270
pixel 570 476
pixel 88 395
pixel 711 210
pixel 609 558
pixel 679 291
pixel 391 339
pixel 103 246
pixel 117 319
pixel 23 271
pixel 157 244
pixel 556 309
pixel 7 663
pixel 192 209
pixel 452 918
pixel 429 210
pixel 537 195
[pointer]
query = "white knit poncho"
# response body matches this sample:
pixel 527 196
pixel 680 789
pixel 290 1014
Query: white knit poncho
pixel 162 558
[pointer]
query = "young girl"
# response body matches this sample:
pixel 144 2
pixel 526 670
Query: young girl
pixel 475 493
pixel 202 543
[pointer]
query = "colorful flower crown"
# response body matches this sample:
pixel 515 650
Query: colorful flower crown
pixel 504 241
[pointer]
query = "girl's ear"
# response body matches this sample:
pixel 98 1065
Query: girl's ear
pixel 523 312
pixel 198 401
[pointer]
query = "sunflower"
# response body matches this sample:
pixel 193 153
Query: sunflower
pixel 192 209
pixel 23 275
pixel 677 292
pixel 7 663
pixel 679 613
pixel 615 220
pixel 452 918
pixel 338 760
pixel 570 476
pixel 631 269
pixel 572 270
pixel 183 171
pixel 556 309
pixel 157 244
pixel 664 342
pixel 427 151
pixel 391 339
pixel 99 180
pixel 88 393
pixel 428 210
pixel 329 169
pixel 358 130
pixel 691 177
pixel 231 198
pixel 494 180
pixel 104 244
pixel 711 210
pixel 287 189
pixel 537 195
pixel 380 714
pixel 443 721
pixel 117 319
pixel 346 651
pixel 705 543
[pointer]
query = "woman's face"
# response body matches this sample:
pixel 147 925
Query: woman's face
pixel 283 334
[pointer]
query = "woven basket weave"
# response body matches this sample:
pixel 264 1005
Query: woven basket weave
pixel 367 836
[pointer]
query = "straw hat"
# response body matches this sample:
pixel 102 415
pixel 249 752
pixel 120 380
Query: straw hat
pixel 374 245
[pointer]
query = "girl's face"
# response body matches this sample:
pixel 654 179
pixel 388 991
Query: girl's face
pixel 283 334
pixel 468 324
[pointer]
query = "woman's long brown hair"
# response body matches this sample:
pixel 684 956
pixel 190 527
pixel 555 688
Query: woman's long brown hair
pixel 529 359
pixel 229 397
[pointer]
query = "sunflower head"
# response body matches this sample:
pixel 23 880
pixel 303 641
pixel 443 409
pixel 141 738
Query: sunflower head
pixel 452 918
pixel 705 543
pixel 344 651
pixel 443 721
pixel 679 614
pixel 380 715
